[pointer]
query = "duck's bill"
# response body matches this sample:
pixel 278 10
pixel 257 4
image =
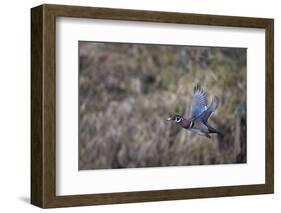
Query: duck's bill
pixel 169 119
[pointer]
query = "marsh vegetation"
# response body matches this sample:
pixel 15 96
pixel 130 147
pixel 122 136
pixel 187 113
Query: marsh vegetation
pixel 127 91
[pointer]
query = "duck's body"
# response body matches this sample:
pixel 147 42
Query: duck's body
pixel 200 114
pixel 185 123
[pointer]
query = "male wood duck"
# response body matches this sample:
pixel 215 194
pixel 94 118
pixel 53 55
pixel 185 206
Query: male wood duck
pixel 200 114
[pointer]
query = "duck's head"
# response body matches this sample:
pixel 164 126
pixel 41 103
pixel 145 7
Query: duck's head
pixel 176 118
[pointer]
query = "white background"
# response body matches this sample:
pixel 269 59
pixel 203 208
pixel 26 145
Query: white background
pixel 15 106
pixel 71 181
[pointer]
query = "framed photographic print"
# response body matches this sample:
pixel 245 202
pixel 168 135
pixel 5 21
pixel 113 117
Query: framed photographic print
pixel 135 106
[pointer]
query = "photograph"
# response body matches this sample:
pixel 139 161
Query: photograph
pixel 139 105
pixel 160 105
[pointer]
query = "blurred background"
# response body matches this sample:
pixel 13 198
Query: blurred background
pixel 127 91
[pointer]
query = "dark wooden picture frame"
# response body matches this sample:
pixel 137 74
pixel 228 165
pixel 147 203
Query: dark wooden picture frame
pixel 43 105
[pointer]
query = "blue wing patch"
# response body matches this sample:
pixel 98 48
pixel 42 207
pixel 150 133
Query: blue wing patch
pixel 198 110
pixel 199 101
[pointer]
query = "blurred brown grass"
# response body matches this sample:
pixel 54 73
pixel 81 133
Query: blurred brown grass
pixel 127 91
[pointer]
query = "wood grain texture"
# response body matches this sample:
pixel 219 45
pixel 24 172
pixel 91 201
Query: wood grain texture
pixel 269 118
pixel 36 106
pixel 43 105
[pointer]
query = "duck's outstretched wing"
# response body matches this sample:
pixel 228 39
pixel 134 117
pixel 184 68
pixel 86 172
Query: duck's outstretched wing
pixel 199 102
pixel 213 106
pixel 205 115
